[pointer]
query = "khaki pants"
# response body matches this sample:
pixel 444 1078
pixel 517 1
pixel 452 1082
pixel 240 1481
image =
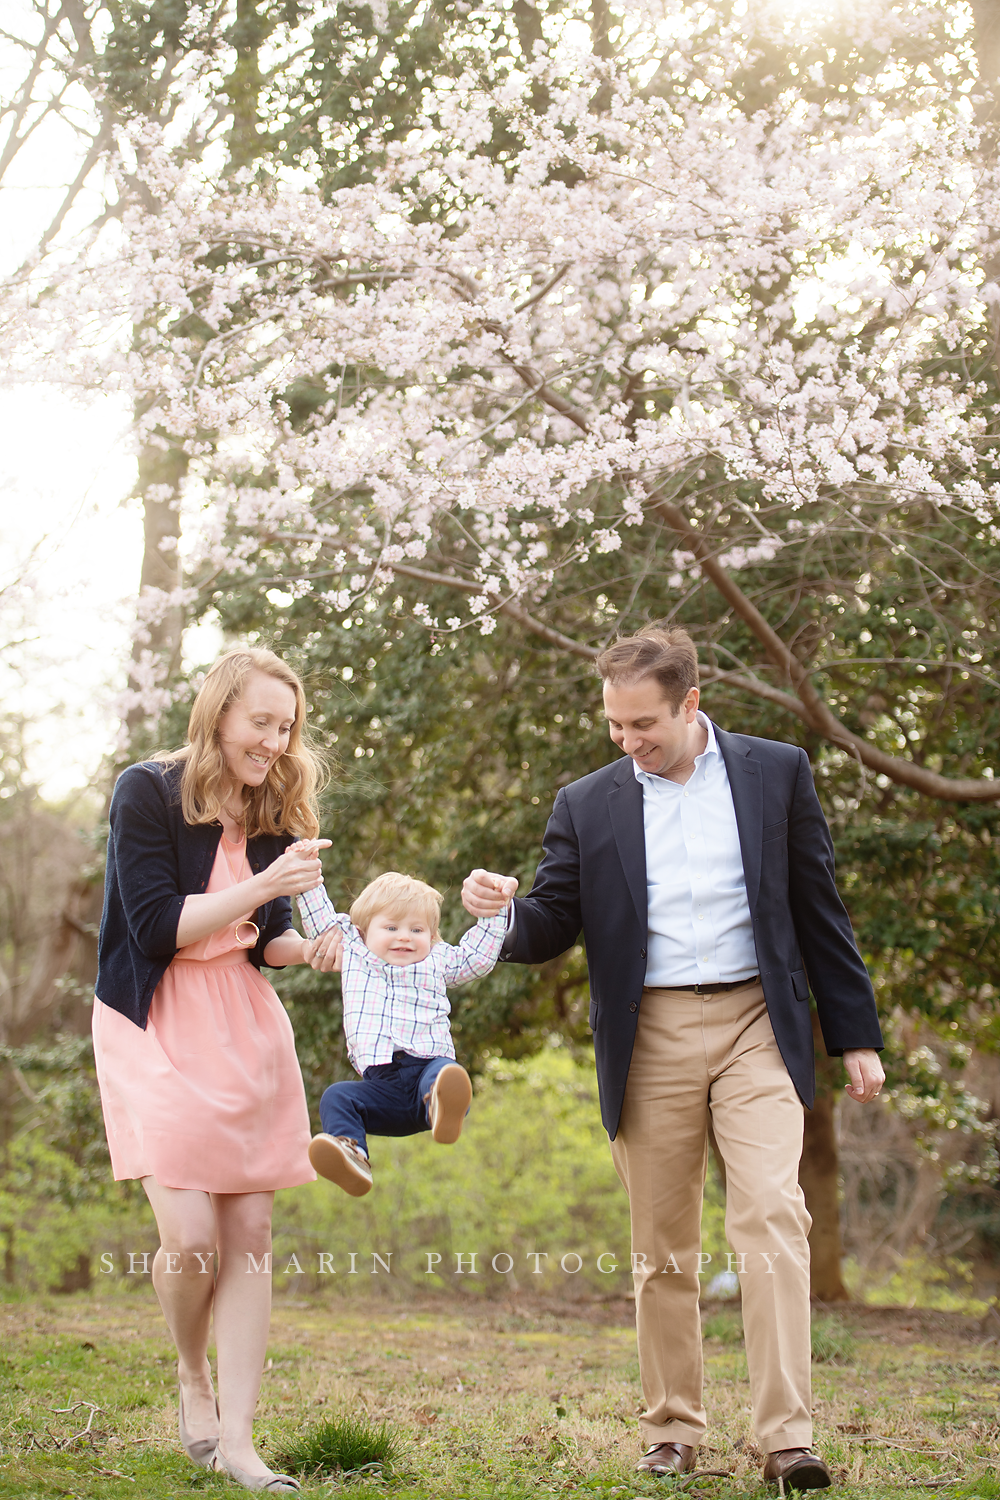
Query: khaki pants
pixel 694 1054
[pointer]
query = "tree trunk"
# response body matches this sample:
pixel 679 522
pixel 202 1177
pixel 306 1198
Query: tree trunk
pixel 986 35
pixel 244 85
pixel 157 646
pixel 819 1176
pixel 78 1277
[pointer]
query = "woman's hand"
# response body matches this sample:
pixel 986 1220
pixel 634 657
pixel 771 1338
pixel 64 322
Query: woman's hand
pixel 297 870
pixel 325 952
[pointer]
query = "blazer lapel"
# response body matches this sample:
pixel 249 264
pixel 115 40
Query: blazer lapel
pixel 625 809
pixel 746 782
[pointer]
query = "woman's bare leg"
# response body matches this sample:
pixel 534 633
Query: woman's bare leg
pixel 184 1278
pixel 242 1317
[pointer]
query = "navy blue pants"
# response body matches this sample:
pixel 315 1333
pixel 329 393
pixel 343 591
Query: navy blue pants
pixel 388 1099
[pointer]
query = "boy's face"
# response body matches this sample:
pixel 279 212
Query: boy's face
pixel 404 939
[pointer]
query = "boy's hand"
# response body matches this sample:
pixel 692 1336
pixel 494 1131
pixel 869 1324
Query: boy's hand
pixel 486 895
pixel 325 952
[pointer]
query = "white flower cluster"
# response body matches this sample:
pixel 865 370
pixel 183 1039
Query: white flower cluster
pixel 665 295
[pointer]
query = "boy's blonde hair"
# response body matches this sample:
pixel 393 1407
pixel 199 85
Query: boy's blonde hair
pixel 394 895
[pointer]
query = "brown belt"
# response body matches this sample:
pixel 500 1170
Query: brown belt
pixel 704 989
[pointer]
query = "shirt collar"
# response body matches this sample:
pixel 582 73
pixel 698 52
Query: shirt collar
pixel 712 748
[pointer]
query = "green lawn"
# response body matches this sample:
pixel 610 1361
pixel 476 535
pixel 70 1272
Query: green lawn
pixel 487 1398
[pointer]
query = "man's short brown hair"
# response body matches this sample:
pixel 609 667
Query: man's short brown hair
pixel 668 656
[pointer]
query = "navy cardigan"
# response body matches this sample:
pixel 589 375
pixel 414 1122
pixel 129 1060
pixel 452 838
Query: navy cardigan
pixel 155 860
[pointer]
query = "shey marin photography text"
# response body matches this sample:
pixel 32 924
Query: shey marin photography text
pixel 455 1263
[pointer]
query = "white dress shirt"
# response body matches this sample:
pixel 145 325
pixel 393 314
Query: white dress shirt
pixel 700 929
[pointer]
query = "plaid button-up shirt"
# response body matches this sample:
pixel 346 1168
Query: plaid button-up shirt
pixel 400 1007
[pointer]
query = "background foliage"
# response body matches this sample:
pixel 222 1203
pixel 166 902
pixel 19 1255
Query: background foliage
pixel 450 744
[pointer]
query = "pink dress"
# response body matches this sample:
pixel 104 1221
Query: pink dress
pixel 210 1095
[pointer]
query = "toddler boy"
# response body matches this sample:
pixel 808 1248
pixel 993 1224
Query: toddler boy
pixel 396 1009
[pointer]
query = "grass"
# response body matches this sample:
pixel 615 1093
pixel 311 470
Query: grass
pixel 481 1400
pixel 341 1445
pixel 832 1342
pixel 726 1325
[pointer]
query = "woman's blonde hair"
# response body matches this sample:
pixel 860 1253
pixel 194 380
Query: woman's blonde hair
pixel 285 802
pixel 396 895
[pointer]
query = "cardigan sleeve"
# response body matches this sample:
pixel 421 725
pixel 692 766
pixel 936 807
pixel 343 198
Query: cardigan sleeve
pixel 146 861
pixel 278 920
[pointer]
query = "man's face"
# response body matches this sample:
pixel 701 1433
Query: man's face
pixel 643 723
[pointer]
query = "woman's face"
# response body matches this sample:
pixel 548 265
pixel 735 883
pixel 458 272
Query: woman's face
pixel 254 730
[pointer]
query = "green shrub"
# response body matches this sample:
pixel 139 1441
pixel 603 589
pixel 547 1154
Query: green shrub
pixel 341 1445
pixel 532 1174
pixel 945 1284
pixel 55 1219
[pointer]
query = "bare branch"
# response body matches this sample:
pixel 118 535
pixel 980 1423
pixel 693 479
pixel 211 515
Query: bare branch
pixel 543 291
pixel 756 687
pixel 89 162
pixel 503 607
pixel 544 392
pixel 815 711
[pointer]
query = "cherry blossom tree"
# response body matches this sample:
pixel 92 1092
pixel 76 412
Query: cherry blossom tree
pixel 662 328
pixel 683 310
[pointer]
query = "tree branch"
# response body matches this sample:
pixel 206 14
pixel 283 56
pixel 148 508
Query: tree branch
pixel 590 653
pixel 814 710
pixel 756 687
pixel 502 606
pixel 544 290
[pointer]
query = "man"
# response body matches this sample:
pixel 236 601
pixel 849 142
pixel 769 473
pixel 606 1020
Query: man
pixel 700 870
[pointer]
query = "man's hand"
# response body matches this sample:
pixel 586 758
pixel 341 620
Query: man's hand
pixel 325 952
pixel 487 895
pixel 865 1073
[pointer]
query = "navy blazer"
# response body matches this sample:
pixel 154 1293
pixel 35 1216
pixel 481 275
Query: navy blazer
pixel 155 860
pixel 592 877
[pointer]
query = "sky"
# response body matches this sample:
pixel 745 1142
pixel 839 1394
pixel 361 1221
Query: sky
pixel 71 549
pixel 70 537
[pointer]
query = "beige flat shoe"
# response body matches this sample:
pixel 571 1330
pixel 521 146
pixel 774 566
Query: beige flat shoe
pixel 200 1451
pixel 272 1484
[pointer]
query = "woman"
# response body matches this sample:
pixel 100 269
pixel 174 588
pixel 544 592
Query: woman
pixel 202 1093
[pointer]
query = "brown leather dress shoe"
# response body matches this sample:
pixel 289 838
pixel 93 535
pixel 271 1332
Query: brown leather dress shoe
pixel 799 1468
pixel 667 1458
